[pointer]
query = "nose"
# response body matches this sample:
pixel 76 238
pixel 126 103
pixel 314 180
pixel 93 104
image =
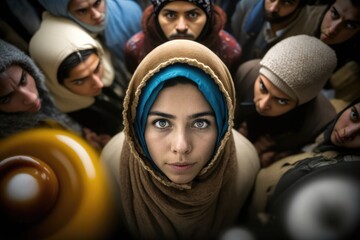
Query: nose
pixel 96 82
pixel 29 97
pixel 181 25
pixel 335 27
pixel 264 103
pixel 95 14
pixel 351 130
pixel 274 6
pixel 181 143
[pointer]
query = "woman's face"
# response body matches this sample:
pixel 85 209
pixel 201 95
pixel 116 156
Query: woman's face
pixel 182 20
pixel 18 92
pixel 181 132
pixel 85 79
pixel 340 23
pixel 269 100
pixel 346 132
pixel 91 12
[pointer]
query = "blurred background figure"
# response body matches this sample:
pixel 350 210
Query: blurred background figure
pixel 315 194
pixel 79 74
pixel 260 24
pixel 115 20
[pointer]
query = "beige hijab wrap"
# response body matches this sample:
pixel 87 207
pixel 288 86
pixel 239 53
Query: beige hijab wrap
pixel 151 205
pixel 56 39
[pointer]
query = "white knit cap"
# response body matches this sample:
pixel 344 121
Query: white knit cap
pixel 299 66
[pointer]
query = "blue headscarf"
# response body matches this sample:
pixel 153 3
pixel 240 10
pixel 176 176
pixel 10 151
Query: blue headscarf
pixel 122 21
pixel 205 84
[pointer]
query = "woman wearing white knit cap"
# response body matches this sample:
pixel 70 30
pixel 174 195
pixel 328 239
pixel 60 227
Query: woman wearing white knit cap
pixel 280 107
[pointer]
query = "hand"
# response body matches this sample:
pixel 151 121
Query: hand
pixel 95 140
pixel 267 158
pixel 263 143
pixel 243 129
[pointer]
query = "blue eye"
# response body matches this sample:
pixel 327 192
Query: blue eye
pixel 161 123
pixel 201 124
pixel 354 115
pixel 283 101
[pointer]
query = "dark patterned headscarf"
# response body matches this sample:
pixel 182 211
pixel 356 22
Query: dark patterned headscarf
pixel 327 145
pixel 205 5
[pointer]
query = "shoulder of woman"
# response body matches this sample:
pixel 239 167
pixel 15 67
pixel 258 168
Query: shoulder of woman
pixel 110 155
pixel 246 153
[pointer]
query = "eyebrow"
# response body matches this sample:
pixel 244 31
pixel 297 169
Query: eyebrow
pixel 84 78
pixel 276 97
pixel 341 15
pixel 170 116
pixel 23 73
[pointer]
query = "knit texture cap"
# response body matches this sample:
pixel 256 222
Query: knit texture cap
pixel 299 66
pixel 205 5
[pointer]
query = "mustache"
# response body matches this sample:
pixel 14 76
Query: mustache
pixel 181 36
pixel 274 17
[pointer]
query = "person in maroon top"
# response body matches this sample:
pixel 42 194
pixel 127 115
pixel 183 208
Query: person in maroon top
pixel 198 20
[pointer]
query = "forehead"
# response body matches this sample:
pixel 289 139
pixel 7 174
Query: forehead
pixel 180 6
pixel 271 88
pixel 80 3
pixel 346 9
pixel 89 64
pixel 11 71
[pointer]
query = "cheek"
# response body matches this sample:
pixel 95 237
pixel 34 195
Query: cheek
pixel 154 142
pixel 346 35
pixel 33 88
pixel 199 26
pixel 288 10
pixel 326 22
pixel 356 142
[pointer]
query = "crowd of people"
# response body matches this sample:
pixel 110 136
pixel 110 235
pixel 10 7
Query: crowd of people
pixel 214 119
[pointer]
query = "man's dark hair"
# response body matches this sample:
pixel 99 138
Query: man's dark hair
pixel 72 61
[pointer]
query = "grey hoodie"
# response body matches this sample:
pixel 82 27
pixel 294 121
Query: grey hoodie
pixel 11 123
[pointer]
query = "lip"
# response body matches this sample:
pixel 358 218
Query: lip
pixel 338 139
pixel 182 37
pixel 325 36
pixel 181 167
pixel 261 111
pixel 97 92
pixel 100 22
pixel 36 106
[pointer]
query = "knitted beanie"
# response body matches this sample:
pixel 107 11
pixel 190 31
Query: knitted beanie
pixel 299 66
pixel 205 5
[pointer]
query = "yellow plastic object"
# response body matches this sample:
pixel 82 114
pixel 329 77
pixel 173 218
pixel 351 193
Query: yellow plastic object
pixel 73 197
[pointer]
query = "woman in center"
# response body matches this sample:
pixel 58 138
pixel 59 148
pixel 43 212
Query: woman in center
pixel 181 170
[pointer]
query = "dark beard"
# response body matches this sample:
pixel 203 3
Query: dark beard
pixel 275 18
